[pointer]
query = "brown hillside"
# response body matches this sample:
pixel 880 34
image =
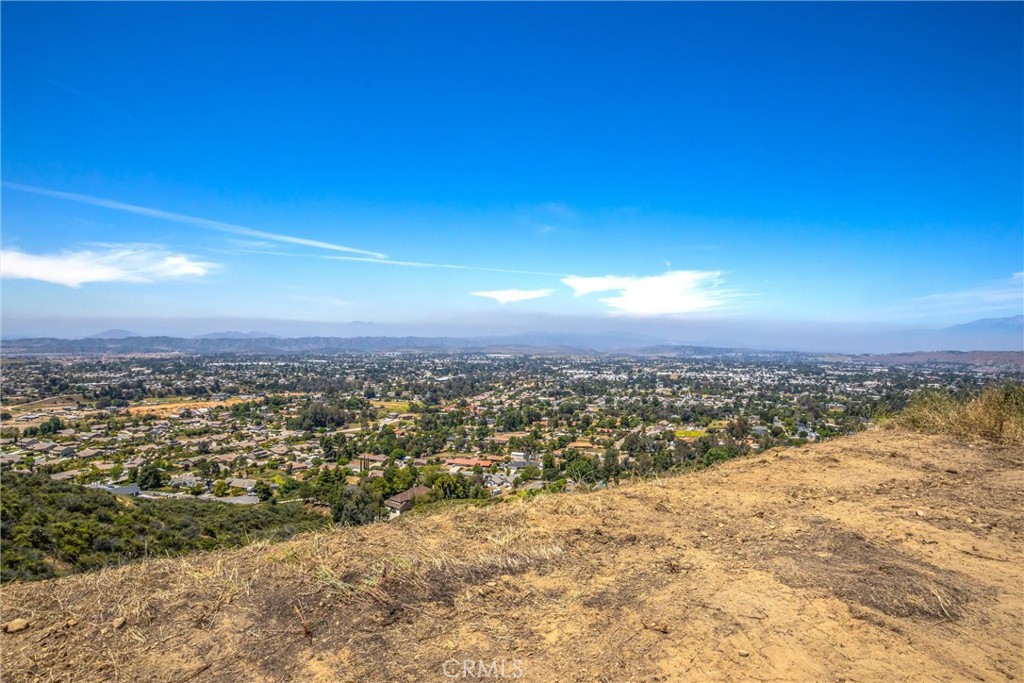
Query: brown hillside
pixel 887 556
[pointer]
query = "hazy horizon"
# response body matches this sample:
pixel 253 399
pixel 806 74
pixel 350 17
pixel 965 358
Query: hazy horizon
pixel 1003 334
pixel 821 177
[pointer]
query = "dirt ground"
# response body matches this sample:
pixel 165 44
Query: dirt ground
pixel 886 556
pixel 169 409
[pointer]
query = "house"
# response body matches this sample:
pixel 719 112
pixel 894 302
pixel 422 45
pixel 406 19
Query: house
pixel 522 464
pixel 468 462
pixel 244 484
pixel 10 459
pixel 497 483
pixel 186 480
pixel 402 502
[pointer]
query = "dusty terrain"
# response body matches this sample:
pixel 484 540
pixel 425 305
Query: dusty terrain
pixel 888 556
pixel 173 408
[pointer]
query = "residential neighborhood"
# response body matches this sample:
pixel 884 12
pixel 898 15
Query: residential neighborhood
pixel 258 429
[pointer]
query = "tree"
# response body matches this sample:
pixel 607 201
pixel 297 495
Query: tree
pixel 404 479
pixel 530 472
pixel 610 466
pixel 580 470
pixel 353 506
pixel 220 488
pixel 449 486
pixel 550 470
pixel 51 426
pixel 739 428
pixel 150 477
pixel 263 491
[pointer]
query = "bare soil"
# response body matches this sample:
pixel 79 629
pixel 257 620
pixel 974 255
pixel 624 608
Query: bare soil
pixel 173 408
pixel 887 556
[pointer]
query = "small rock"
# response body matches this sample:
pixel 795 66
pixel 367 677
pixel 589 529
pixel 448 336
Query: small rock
pixel 119 622
pixel 104 631
pixel 743 653
pixel 16 625
pixel 833 499
pixel 970 520
pixel 704 534
pixel 70 623
pixel 492 584
pixel 919 513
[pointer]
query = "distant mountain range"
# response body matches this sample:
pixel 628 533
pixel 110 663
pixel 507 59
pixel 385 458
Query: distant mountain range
pixel 231 334
pixel 1001 339
pixel 538 344
pixel 115 334
pixel 229 343
pixel 1012 324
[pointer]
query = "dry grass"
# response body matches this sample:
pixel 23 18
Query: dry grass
pixel 871 574
pixel 168 409
pixel 997 414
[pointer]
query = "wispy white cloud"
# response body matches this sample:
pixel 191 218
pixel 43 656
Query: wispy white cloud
pixel 672 293
pixel 450 266
pixel 190 220
pixel 994 296
pixel 506 296
pixel 113 263
pixel 394 262
pixel 582 286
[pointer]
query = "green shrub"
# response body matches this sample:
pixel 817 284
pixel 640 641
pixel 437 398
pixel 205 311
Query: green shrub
pixel 50 528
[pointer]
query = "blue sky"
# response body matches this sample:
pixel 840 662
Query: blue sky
pixel 476 164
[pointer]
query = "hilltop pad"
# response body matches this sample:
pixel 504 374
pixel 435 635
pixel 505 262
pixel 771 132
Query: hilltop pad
pixel 883 555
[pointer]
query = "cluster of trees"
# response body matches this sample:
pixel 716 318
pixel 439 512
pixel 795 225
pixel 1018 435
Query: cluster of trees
pixel 363 502
pixel 51 528
pixel 638 457
pixel 48 428
pixel 315 415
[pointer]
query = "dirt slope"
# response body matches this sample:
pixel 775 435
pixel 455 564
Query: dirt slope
pixel 883 557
